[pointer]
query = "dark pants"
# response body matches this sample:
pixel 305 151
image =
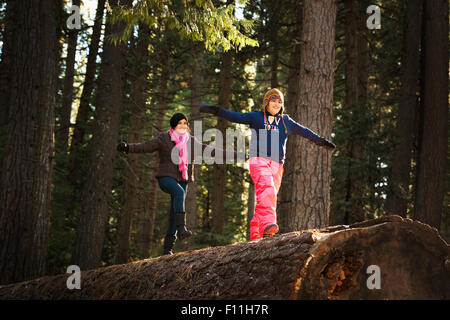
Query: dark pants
pixel 177 191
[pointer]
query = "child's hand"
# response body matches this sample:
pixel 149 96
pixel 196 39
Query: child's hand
pixel 210 108
pixel 327 144
pixel 123 147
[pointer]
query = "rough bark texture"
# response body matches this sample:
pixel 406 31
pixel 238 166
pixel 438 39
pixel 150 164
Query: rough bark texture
pixel 329 263
pixel 5 63
pixel 28 156
pixel 284 198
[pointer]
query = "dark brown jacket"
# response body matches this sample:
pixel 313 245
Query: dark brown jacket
pixel 164 145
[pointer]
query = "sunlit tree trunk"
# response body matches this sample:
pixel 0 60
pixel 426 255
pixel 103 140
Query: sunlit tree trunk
pixel 309 166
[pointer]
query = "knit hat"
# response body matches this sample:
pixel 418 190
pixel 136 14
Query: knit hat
pixel 273 94
pixel 175 119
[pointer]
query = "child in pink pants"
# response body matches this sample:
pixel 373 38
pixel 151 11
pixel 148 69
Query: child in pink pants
pixel 270 130
pixel 266 175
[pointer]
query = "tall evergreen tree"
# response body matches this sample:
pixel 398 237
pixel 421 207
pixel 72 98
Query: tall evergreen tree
pixel 399 195
pixel 28 162
pixel 220 169
pixel 433 132
pixel 101 154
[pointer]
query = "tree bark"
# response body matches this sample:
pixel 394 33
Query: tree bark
pixel 5 63
pixel 399 194
pixel 28 160
pixel 285 194
pixel 308 167
pixel 330 263
pixel 433 143
pixel 102 151
pixel 218 197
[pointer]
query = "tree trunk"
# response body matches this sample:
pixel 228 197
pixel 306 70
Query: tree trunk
pixel 218 198
pixel 354 185
pixel 102 152
pixel 308 166
pixel 285 194
pixel 360 148
pixel 433 143
pixel 399 194
pixel 410 262
pixel 5 64
pixel 28 161
pixel 84 109
pixel 138 78
pixel 67 96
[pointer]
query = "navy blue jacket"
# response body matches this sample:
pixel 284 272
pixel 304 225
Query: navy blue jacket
pixel 269 137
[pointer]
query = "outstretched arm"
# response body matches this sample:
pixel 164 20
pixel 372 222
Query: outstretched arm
pixel 143 147
pixel 309 134
pixel 237 117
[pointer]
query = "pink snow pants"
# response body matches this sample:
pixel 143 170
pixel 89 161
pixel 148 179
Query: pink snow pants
pixel 266 175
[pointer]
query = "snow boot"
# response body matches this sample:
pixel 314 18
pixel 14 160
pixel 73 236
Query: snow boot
pixel 180 222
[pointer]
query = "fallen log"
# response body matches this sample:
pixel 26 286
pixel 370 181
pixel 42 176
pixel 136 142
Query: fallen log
pixel 385 258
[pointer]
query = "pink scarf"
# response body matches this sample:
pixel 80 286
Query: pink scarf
pixel 181 143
